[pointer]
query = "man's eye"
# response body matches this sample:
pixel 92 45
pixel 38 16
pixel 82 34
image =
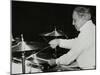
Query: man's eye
pixel 74 20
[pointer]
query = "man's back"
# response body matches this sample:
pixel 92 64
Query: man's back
pixel 86 59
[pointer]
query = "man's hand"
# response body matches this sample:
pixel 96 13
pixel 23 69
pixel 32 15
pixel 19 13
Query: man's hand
pixel 52 62
pixel 54 43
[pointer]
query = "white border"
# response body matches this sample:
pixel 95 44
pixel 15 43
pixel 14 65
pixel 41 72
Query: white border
pixel 5 36
pixel 86 2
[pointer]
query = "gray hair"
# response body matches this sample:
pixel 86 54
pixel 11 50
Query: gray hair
pixel 83 11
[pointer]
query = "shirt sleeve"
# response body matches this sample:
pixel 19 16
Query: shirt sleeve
pixel 64 43
pixel 78 46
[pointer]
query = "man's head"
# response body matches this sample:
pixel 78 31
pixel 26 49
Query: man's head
pixel 80 16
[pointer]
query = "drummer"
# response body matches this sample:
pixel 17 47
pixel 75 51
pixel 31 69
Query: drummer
pixel 82 48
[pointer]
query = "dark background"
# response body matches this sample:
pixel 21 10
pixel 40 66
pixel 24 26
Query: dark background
pixel 33 18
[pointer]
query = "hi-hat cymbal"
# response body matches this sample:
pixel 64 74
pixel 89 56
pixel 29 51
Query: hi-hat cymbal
pixel 23 46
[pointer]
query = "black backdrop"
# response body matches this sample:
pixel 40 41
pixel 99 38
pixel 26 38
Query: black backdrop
pixel 33 18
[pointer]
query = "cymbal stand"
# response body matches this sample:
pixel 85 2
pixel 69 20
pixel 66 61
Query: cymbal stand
pixel 55 47
pixel 23 62
pixel 23 56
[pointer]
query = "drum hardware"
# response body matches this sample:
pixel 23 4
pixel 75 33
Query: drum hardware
pixel 25 48
pixel 38 63
pixel 35 59
pixel 55 34
pixel 34 65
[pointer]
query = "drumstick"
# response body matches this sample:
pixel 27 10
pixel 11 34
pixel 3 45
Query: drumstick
pixel 39 58
pixel 43 59
pixel 16 44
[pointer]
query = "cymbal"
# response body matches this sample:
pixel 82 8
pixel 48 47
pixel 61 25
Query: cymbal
pixel 23 46
pixel 27 46
pixel 54 33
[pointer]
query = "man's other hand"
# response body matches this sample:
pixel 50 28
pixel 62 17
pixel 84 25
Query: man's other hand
pixel 54 43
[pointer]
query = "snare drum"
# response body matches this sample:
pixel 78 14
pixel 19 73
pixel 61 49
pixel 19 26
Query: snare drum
pixel 30 69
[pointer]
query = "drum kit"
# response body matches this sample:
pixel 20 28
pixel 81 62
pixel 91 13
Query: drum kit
pixel 24 52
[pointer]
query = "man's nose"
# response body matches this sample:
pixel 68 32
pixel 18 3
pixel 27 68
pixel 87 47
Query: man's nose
pixel 73 23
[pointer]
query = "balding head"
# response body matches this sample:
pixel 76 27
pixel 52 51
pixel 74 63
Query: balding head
pixel 83 12
pixel 80 16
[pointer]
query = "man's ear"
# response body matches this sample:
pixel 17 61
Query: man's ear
pixel 87 16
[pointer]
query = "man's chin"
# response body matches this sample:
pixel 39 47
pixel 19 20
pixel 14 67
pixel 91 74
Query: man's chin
pixel 77 28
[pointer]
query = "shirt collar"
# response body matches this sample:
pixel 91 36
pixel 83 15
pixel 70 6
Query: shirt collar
pixel 86 25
